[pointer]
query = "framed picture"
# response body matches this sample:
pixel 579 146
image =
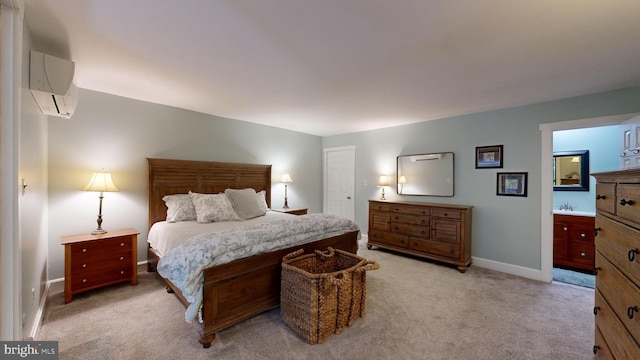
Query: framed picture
pixel 488 157
pixel 512 184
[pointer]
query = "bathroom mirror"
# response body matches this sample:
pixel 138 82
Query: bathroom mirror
pixel 571 170
pixel 425 174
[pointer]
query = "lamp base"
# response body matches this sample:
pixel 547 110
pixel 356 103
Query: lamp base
pixel 98 232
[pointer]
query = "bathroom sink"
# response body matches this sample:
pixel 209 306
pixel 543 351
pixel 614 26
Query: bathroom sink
pixel 574 213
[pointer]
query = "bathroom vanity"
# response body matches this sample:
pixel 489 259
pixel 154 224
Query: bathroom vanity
pixel 573 240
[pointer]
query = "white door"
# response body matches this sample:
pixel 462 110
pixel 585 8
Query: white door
pixel 339 181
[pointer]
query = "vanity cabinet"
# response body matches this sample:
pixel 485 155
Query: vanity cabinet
pixel 433 231
pixel 617 296
pixel 573 242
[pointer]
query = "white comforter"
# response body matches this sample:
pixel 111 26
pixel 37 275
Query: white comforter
pixel 184 264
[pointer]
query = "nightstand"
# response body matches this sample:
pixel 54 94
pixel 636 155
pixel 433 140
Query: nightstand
pixel 92 261
pixel 293 211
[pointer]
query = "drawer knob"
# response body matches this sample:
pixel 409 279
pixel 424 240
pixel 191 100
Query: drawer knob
pixel 121 244
pixel 121 272
pixel 631 255
pixel 624 202
pixel 84 265
pixel 121 258
pixel 84 250
pixel 583 254
pixel 84 280
pixel 595 310
pixel 583 235
pixel 564 228
pixel 600 197
pixel 631 310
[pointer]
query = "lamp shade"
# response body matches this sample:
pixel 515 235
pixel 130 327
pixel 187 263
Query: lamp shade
pixel 101 181
pixel 286 178
pixel 402 180
pixel 383 181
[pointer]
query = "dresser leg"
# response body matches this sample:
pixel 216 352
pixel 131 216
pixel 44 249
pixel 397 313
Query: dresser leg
pixel 463 269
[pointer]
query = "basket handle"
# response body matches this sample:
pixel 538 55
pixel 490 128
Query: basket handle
pixel 333 280
pixel 369 265
pixel 327 253
pixel 287 258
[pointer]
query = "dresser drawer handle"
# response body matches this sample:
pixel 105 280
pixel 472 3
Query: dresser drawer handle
pixel 631 310
pixel 596 270
pixel 600 197
pixel 596 231
pixel 595 310
pixel 596 348
pixel 624 202
pixel 631 255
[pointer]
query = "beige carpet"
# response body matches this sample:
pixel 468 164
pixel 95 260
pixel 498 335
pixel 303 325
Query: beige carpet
pixel 415 310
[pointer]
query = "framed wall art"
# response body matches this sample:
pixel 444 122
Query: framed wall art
pixel 488 157
pixel 512 184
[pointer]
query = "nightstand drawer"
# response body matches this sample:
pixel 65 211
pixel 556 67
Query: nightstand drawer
pixel 101 249
pixel 80 265
pixel 101 277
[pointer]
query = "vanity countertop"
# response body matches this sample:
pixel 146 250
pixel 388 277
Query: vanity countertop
pixel 574 213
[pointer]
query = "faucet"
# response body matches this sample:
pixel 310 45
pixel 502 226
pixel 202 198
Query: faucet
pixel 566 206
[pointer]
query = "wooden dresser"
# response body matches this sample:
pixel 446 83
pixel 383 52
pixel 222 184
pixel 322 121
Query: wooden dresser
pixel 617 296
pixel 573 241
pixel 92 261
pixel 433 231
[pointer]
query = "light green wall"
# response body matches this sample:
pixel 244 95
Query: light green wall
pixel 505 229
pixel 117 134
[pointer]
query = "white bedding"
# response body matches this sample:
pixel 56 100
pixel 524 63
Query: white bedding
pixel 164 236
pixel 184 264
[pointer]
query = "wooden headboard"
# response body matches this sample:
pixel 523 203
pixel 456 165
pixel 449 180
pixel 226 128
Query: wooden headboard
pixel 167 177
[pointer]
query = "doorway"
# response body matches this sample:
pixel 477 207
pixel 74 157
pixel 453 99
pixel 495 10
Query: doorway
pixel 546 201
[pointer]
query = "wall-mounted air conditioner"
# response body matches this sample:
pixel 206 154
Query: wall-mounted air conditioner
pixel 51 83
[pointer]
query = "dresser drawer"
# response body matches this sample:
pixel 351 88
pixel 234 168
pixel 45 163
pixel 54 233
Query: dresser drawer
pixel 601 349
pixel 78 266
pixel 621 294
pixel 381 237
pixel 379 206
pixel 434 248
pixel 446 213
pixel 628 202
pixel 411 230
pixel 410 219
pixel 606 197
pixel 618 340
pixel 100 248
pixel 408 209
pixel 618 242
pixel 101 277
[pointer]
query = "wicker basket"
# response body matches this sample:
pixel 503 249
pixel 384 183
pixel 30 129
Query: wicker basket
pixel 323 292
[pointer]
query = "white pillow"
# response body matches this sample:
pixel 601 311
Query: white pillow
pixel 245 202
pixel 213 208
pixel 179 207
pixel 262 199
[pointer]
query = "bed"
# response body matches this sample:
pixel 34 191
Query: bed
pixel 237 290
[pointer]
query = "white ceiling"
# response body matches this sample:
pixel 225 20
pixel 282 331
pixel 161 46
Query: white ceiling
pixel 328 67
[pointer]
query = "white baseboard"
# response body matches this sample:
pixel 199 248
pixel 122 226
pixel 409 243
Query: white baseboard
pixel 516 270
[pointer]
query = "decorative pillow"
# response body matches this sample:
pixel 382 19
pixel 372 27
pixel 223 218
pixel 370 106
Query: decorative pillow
pixel 262 199
pixel 179 207
pixel 213 208
pixel 245 202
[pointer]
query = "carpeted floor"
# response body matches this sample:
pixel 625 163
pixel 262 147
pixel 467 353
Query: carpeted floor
pixel 415 310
